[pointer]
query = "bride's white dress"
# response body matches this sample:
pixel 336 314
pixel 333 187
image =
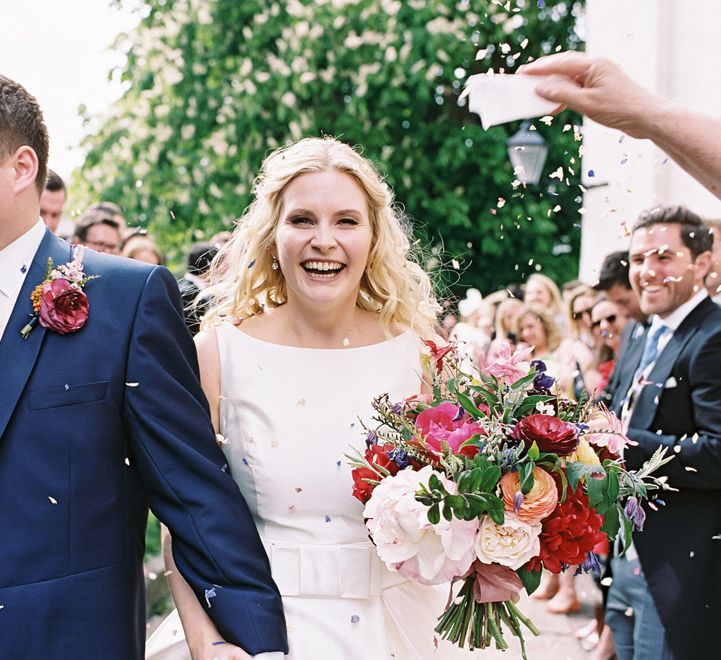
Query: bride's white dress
pixel 289 416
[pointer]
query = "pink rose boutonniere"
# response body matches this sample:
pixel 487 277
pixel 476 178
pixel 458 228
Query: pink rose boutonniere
pixel 59 302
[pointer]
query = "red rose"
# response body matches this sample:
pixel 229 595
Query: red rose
pixel 63 308
pixel 450 424
pixel 549 433
pixel 568 534
pixel 376 455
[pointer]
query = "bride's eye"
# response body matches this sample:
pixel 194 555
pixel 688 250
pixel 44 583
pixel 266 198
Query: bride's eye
pixel 300 220
pixel 348 221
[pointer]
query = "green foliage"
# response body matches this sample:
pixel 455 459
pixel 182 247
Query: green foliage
pixel 213 85
pixel 152 537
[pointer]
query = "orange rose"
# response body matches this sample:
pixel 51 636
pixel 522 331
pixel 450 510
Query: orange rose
pixel 535 505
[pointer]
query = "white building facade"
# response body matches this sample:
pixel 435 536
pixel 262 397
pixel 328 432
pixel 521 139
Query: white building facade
pixel 672 47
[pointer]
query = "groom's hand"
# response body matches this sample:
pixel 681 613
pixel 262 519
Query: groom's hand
pixel 219 650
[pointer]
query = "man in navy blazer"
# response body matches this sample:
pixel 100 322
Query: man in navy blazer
pixel 97 424
pixel 665 598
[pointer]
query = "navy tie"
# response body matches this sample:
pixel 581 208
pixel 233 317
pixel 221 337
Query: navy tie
pixel 650 350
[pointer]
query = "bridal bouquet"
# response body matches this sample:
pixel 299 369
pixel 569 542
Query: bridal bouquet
pixel 489 479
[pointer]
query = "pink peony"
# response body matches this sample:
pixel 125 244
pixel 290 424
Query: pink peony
pixel 446 423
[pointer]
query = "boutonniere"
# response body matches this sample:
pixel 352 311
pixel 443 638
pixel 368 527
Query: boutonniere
pixel 59 302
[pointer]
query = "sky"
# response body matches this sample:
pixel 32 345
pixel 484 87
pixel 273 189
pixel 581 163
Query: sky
pixel 59 50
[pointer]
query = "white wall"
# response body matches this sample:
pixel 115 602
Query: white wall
pixel 672 47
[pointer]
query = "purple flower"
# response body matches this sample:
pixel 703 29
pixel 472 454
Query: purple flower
pixel 634 512
pixel 371 439
pixel 517 501
pixel 399 456
pixel 591 564
pixel 539 366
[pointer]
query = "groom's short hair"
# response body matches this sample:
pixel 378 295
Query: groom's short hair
pixel 22 124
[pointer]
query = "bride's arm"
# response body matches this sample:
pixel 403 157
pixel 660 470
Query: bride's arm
pixel 202 636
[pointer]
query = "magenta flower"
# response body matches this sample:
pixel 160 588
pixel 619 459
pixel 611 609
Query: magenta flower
pixel 446 423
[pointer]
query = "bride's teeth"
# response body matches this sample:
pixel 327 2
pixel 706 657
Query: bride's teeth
pixel 323 265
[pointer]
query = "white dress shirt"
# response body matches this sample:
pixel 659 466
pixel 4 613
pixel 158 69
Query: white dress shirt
pixel 15 260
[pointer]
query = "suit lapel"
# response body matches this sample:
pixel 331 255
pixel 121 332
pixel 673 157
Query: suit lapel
pixel 628 363
pixel 18 355
pixel 645 407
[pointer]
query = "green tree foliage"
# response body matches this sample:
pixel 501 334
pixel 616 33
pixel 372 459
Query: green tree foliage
pixel 213 85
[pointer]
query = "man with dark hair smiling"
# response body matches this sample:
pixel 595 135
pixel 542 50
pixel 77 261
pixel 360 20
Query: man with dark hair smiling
pixel 664 600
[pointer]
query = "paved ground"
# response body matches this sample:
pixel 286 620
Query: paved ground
pixel 556 641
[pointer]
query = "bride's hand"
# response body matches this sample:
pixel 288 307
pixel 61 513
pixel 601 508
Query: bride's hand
pixel 219 650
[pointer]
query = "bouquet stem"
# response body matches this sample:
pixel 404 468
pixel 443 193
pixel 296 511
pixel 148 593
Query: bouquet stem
pixel 482 623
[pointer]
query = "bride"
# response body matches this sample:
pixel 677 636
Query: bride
pixel 318 308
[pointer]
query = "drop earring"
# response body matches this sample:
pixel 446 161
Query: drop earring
pixel 274 265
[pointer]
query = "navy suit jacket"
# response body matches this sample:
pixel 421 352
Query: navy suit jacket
pixel 95 426
pixel 680 409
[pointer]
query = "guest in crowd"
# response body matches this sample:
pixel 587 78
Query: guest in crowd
pixel 608 321
pixel 141 246
pixel 542 290
pixel 580 345
pixel 98 230
pixel 472 333
pixel 664 600
pixel 194 282
pixel 713 279
pixel 52 201
pixel 613 282
pixel 506 317
pixel 114 212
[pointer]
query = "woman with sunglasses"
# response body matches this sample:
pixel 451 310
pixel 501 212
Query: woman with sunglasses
pixel 607 321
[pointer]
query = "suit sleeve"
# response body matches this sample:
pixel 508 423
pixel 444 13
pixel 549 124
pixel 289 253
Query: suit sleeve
pixel 697 457
pixel 215 542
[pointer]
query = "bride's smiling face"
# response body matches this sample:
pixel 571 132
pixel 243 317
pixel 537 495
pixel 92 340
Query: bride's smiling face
pixel 323 238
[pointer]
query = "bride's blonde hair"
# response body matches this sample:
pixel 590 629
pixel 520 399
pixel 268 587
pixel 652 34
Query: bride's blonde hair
pixel 243 282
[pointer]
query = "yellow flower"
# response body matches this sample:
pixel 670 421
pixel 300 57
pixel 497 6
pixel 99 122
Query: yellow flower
pixel 584 454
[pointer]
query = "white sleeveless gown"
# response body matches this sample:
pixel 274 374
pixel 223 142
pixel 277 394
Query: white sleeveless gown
pixel 289 416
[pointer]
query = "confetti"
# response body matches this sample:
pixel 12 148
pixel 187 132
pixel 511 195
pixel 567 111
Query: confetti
pixel 346 341
pixel 131 384
pixel 691 554
pixel 298 489
pixel 591 174
pixel 606 582
pixel 52 500
pixel 221 439
pixel 355 618
pixel 251 264
pixel 688 468
pixel 127 461
pixel 629 611
pixel 327 519
pixel 67 387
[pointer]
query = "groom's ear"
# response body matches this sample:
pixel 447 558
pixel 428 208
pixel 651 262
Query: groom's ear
pixel 25 166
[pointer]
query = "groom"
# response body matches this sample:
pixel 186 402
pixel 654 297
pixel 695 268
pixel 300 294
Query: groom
pixel 101 416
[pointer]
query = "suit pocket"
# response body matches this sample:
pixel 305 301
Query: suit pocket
pixel 67 395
